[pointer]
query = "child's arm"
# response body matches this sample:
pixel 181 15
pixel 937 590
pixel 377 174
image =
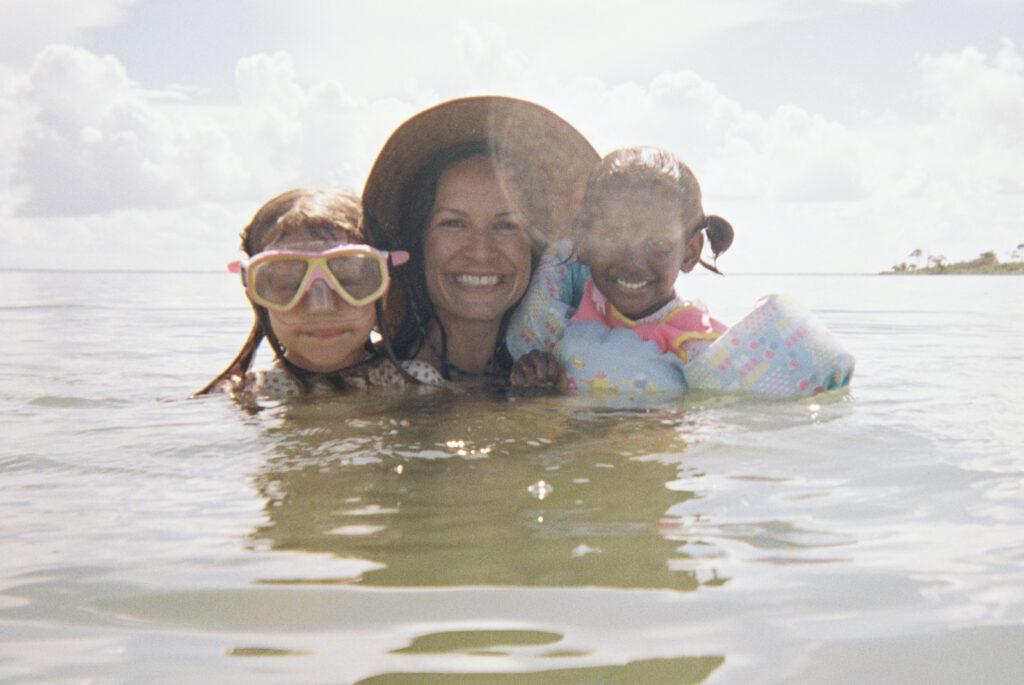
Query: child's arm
pixel 539 321
pixel 535 369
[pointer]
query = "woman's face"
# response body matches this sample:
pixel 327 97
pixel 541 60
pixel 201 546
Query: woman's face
pixel 322 333
pixel 477 257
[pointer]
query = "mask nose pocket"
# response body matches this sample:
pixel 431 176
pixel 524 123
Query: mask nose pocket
pixel 320 296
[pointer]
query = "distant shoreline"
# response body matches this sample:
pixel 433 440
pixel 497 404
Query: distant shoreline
pixel 985 264
pixel 1009 268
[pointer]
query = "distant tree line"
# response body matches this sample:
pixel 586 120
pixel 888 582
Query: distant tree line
pixel 986 262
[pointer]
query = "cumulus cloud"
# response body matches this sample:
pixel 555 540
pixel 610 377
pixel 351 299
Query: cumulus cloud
pixel 943 181
pixel 89 152
pixel 981 108
pixel 956 176
pixel 94 141
pixel 788 155
pixel 98 142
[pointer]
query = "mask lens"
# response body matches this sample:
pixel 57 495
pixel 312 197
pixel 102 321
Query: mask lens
pixel 277 280
pixel 360 275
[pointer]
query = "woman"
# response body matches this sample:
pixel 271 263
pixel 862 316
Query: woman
pixel 473 189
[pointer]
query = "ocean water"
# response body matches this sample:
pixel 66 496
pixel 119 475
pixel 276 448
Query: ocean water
pixel 874 534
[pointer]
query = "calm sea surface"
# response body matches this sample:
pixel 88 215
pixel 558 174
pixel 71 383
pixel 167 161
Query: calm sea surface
pixel 874 535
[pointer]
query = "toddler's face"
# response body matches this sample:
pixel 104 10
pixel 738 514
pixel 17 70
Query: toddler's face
pixel 635 250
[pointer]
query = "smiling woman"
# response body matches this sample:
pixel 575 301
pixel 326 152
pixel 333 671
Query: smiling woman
pixel 473 189
pixel 476 250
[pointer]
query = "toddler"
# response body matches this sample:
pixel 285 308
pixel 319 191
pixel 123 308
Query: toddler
pixel 641 225
pixel 604 318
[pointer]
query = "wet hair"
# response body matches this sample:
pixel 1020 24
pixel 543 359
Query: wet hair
pixel 328 215
pixel 520 182
pixel 647 169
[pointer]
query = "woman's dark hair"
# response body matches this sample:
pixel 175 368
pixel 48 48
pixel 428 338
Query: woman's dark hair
pixel 327 215
pixel 527 190
pixel 646 169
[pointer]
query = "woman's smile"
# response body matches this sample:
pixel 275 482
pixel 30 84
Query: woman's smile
pixel 477 256
pixel 477 280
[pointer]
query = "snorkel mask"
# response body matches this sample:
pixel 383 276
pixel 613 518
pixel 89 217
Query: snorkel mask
pixel 278 279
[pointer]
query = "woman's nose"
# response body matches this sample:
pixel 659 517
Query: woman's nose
pixel 482 244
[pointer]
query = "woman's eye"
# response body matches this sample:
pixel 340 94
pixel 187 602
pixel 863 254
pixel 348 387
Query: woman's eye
pixel 506 226
pixel 451 222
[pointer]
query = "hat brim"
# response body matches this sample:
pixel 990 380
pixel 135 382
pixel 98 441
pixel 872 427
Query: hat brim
pixel 547 142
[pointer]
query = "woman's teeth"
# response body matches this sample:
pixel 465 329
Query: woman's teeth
pixel 473 281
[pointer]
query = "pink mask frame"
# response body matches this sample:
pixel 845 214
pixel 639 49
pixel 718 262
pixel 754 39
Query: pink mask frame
pixel 317 268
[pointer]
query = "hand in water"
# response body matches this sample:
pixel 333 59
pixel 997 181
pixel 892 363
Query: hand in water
pixel 535 369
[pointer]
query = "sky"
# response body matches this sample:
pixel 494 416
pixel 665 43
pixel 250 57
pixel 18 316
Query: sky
pixel 835 135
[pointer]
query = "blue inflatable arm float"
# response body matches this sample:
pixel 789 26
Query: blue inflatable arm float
pixel 778 350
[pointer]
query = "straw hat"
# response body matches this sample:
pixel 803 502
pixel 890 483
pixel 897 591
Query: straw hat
pixel 547 142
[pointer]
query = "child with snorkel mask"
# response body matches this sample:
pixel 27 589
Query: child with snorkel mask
pixel 316 289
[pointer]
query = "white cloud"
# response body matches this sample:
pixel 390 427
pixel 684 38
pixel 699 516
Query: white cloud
pixel 91 155
pixel 981 101
pixel 808 193
pixel 97 142
pixel 789 155
pixel 954 183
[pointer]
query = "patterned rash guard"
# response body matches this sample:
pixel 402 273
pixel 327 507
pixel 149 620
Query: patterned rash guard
pixel 682 327
pixel 275 383
pixel 604 351
pixel 599 349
